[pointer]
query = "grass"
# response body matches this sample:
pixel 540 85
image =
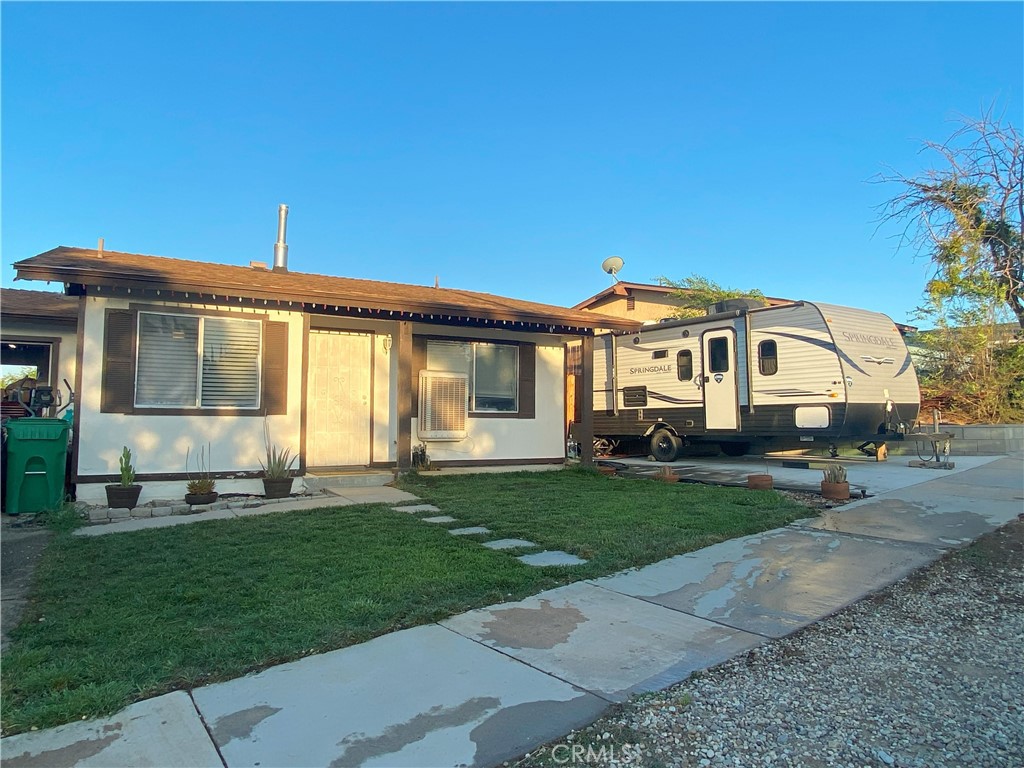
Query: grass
pixel 118 618
pixel 613 523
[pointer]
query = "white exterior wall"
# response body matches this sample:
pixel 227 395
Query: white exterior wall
pixel 509 439
pixel 67 354
pixel 158 443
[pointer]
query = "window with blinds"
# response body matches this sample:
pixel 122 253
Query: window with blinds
pixel 197 362
pixel 492 371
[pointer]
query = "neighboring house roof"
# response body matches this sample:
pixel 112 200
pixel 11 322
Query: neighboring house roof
pixel 623 288
pixel 16 304
pixel 114 270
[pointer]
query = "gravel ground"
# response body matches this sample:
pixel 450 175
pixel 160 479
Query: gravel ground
pixel 929 672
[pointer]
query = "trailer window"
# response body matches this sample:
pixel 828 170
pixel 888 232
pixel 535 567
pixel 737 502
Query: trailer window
pixel 768 358
pixel 684 364
pixel 718 351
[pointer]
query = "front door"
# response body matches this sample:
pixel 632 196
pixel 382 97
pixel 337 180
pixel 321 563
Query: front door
pixel 338 399
pixel 720 389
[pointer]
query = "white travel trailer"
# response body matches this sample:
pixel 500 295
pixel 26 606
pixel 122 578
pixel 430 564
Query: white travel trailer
pixel 778 377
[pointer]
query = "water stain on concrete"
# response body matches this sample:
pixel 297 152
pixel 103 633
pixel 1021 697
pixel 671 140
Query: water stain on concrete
pixel 511 731
pixel 72 754
pixel 543 627
pixel 360 749
pixel 240 725
pixel 908 521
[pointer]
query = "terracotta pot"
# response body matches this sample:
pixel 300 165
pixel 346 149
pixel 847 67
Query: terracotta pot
pixel 277 487
pixel 201 498
pixel 835 491
pixel 123 496
pixel 606 470
pixel 760 482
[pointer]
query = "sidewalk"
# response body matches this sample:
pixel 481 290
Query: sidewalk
pixel 488 685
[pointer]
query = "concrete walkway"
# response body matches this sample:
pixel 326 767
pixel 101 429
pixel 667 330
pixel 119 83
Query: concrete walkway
pixel 488 685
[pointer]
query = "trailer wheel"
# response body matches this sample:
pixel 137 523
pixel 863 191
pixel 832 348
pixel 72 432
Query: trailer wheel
pixel 664 445
pixel 734 449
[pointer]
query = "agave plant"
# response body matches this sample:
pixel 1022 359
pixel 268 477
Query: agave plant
pixel 834 473
pixel 279 463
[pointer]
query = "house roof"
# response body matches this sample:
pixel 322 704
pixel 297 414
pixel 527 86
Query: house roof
pixel 82 269
pixel 623 288
pixel 38 305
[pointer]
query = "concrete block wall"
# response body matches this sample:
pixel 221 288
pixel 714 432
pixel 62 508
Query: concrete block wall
pixel 973 440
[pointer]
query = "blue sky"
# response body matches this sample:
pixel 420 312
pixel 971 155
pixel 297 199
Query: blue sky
pixel 506 148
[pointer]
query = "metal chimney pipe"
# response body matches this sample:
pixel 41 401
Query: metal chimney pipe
pixel 280 248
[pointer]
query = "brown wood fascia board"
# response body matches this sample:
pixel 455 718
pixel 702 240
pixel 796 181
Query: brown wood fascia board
pixel 38 319
pixel 90 278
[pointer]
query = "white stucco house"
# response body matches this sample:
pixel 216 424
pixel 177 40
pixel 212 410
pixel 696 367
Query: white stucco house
pixel 177 355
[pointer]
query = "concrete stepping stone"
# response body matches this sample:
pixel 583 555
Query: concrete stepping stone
pixel 412 509
pixel 508 544
pixel 469 531
pixel 551 557
pixel 438 519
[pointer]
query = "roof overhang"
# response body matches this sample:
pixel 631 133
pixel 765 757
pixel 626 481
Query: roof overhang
pixel 103 276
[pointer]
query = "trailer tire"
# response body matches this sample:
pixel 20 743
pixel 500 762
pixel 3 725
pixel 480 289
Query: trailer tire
pixel 664 445
pixel 734 449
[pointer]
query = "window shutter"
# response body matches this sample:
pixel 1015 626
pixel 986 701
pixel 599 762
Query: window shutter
pixel 275 368
pixel 118 388
pixel 527 380
pixel 419 362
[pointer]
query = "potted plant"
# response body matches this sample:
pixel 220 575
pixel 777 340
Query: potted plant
pixel 277 482
pixel 124 494
pixel 200 489
pixel 833 484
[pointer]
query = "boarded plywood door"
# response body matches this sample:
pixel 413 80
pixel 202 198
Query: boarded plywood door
pixel 338 409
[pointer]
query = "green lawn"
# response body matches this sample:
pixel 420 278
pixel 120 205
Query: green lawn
pixel 118 618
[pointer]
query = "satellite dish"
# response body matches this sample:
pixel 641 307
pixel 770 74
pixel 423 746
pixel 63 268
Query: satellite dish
pixel 612 265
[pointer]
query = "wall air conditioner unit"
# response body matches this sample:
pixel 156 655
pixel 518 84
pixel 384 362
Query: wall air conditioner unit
pixel 444 405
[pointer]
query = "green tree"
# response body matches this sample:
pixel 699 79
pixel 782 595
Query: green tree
pixel 696 294
pixel 967 216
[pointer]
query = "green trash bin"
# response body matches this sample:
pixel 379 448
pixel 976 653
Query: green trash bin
pixel 36 460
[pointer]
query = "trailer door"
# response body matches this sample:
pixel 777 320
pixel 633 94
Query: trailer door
pixel 721 406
